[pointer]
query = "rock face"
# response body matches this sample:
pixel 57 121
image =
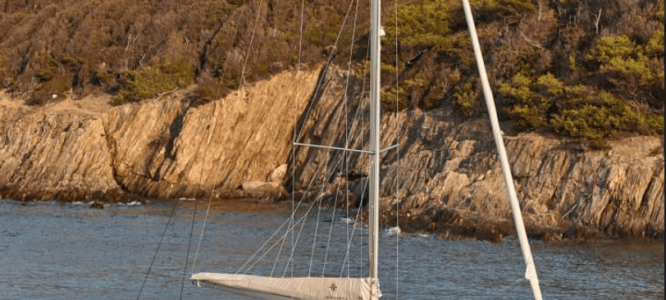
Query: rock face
pixel 159 148
pixel 444 176
pixel 53 153
pixel 447 178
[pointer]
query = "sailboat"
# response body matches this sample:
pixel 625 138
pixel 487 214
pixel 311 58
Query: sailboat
pixel 368 288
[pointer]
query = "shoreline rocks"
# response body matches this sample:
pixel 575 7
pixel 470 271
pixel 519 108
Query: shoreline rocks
pixel 444 174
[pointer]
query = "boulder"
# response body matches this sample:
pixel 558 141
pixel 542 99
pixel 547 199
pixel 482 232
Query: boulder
pixel 262 189
pixel 277 175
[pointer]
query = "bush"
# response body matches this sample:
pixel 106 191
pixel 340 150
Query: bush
pixel 47 67
pixel 388 99
pixel 422 24
pixel 429 23
pixel 466 98
pixel 209 89
pixel 635 71
pixel 103 77
pixel 153 80
pixel 578 111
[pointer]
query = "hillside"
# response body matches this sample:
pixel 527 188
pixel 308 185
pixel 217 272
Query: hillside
pixel 587 69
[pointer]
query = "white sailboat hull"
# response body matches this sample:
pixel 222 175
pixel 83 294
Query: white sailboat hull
pixel 303 288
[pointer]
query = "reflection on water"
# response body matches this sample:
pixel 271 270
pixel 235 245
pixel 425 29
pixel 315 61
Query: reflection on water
pixel 69 251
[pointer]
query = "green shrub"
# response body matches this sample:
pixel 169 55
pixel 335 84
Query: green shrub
pixel 434 96
pixel 429 23
pixel 153 80
pixel 465 98
pixel 655 46
pixel 422 24
pixel 611 47
pixel 388 99
pixel 209 89
pixel 103 77
pixel 572 63
pixel 528 111
pixel 578 111
pixel 619 56
pixel 47 67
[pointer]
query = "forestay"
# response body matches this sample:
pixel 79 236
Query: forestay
pixel 306 288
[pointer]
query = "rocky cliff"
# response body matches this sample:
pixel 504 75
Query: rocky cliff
pixel 85 150
pixel 443 177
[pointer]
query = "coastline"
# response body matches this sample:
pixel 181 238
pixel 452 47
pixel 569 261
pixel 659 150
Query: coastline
pixel 448 180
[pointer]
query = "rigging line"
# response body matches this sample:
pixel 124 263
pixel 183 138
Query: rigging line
pixel 286 222
pixel 291 257
pixel 311 181
pixel 290 228
pixel 337 122
pixel 346 155
pixel 293 149
pixel 203 227
pixel 330 231
pixel 318 213
pixel 249 48
pixel 267 251
pixel 397 138
pixel 323 185
pixel 361 101
pixel 279 251
pixel 293 173
pixel 262 246
pixel 283 239
pixel 302 220
pixel 355 125
pixel 210 198
pixel 356 219
pixel 314 241
pixel 328 62
pixel 283 224
pixel 369 162
pixel 158 249
pixel 189 245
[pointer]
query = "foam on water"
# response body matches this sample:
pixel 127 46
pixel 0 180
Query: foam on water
pixel 393 231
pixel 347 220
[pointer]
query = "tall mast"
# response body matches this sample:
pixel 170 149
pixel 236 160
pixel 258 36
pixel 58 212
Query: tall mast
pixel 531 273
pixel 375 108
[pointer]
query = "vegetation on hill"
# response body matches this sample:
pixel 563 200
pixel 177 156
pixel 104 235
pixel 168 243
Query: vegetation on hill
pixel 582 68
pixel 139 49
pixel 587 69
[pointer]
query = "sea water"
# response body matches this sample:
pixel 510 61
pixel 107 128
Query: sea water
pixel 70 251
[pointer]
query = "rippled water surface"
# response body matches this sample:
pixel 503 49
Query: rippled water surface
pixel 69 251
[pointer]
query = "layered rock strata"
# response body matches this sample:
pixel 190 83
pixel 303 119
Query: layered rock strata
pixel 447 179
pixel 444 177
